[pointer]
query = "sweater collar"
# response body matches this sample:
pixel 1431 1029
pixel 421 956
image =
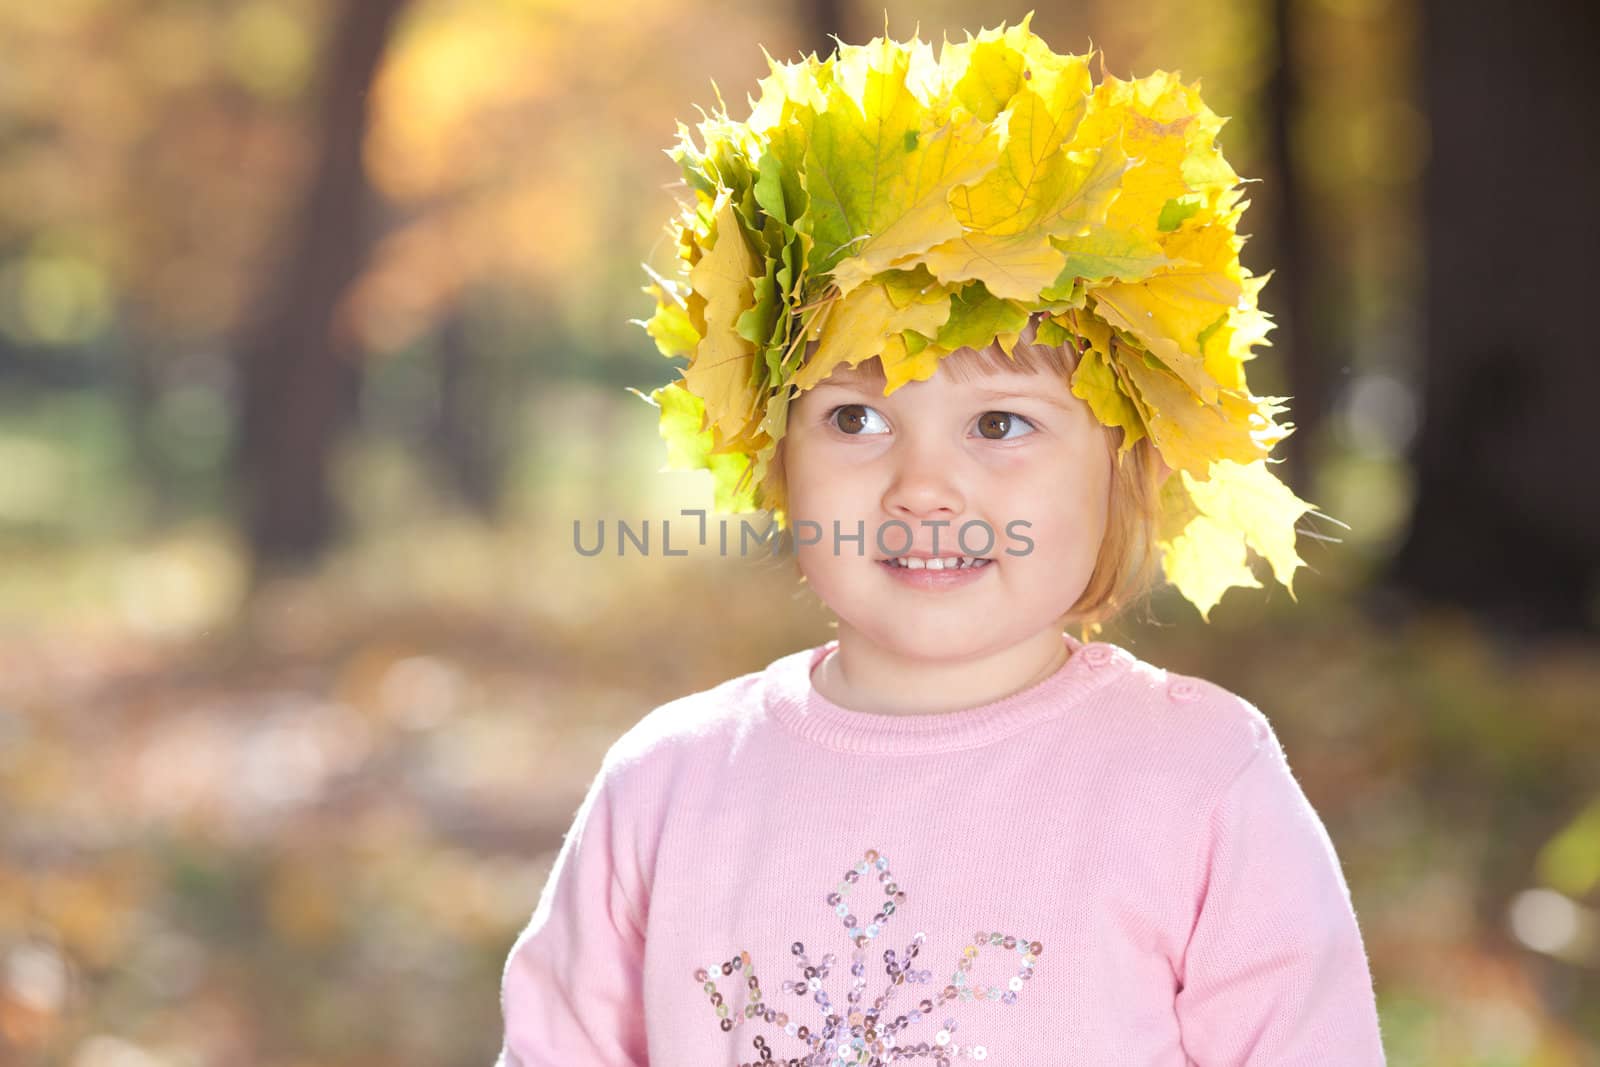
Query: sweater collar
pixel 794 702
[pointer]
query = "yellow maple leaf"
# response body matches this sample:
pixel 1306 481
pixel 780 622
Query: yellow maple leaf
pixel 901 365
pixel 1047 185
pixel 1208 524
pixel 859 326
pixel 1229 347
pixel 1251 499
pixel 723 363
pixel 1018 265
pixel 1169 130
pixel 787 88
pixel 1205 559
pixel 691 445
pixel 983 73
pixel 1096 383
pixel 1189 432
pixel 877 125
pixel 1170 311
pixel 1028 185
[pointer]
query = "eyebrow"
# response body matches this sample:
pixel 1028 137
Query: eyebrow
pixel 860 381
pixel 1012 394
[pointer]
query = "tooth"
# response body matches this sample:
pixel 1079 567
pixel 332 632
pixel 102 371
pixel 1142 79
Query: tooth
pixel 914 563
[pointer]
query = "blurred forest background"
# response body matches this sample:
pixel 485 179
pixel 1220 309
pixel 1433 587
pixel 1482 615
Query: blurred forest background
pixel 313 339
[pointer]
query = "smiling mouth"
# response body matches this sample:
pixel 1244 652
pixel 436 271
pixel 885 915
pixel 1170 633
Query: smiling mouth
pixel 942 563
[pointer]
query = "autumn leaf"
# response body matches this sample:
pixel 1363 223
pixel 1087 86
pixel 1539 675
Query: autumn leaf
pixel 1251 500
pixel 978 318
pixel 1190 432
pixel 1228 346
pixel 986 71
pixel 1169 131
pixel 1104 255
pixel 1018 264
pixel 1201 557
pixel 669 326
pixel 1172 309
pixel 690 443
pixel 1207 525
pixel 721 367
pixel 909 357
pixel 1096 383
pixel 858 326
pixel 881 164
pixel 1025 192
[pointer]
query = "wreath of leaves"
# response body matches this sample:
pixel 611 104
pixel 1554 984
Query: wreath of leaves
pixel 886 202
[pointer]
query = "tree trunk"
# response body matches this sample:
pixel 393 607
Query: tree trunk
pixel 1305 359
pixel 1506 521
pixel 298 375
pixel 469 440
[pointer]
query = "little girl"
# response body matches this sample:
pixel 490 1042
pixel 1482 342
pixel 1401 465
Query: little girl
pixel 972 330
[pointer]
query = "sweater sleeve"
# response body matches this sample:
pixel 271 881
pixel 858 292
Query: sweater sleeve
pixel 1275 971
pixel 572 986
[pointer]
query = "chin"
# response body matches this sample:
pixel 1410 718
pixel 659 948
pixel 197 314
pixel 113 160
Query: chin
pixel 932 635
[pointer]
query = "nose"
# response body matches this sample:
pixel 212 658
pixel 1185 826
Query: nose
pixel 925 482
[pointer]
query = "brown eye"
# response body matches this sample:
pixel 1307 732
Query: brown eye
pixel 852 419
pixel 994 424
pixel 997 425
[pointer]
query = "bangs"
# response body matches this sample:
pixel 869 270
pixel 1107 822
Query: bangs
pixel 967 365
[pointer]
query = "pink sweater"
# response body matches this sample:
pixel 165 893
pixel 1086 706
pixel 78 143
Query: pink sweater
pixel 1113 867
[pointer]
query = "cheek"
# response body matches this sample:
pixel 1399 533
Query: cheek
pixel 1067 502
pixel 801 471
pixel 819 485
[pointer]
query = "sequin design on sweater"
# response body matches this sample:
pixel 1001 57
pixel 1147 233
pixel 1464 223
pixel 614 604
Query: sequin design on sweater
pixel 874 1035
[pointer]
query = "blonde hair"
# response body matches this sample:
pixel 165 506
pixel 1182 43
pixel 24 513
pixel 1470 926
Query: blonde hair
pixel 1127 567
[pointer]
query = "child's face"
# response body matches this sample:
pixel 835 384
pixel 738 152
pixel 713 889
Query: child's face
pixel 1005 447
